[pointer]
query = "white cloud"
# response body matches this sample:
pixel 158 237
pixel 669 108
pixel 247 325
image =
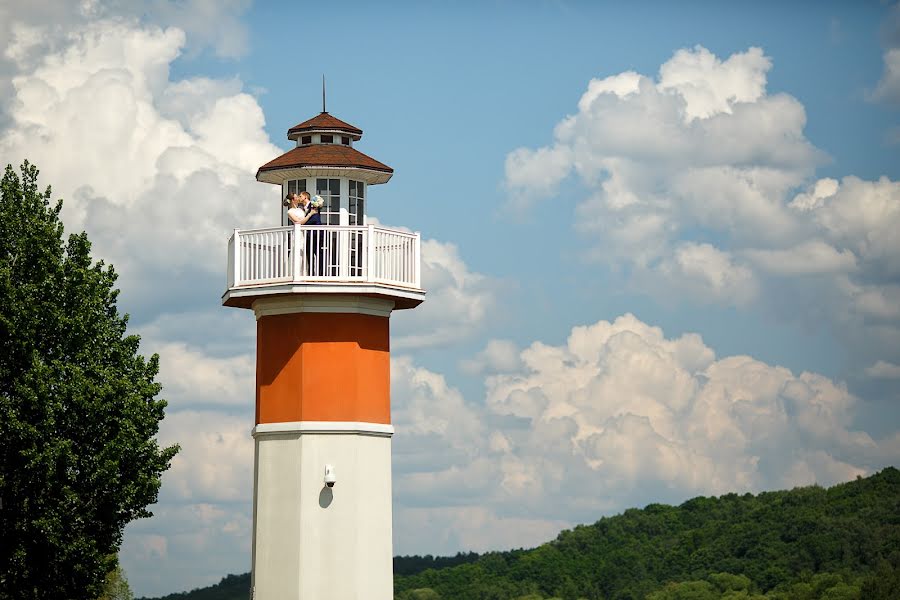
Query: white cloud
pixel 616 415
pixel 212 23
pixel 169 173
pixel 459 301
pixel 864 217
pixel 170 166
pixel 710 86
pixel 192 377
pixel 532 173
pixel 497 355
pixel 888 88
pixel 426 408
pixel 699 187
pixel 884 369
pixel 216 459
pixel 201 544
pixel 643 409
pixel 706 273
pixel 814 256
pixel 30 30
pixel 472 528
pixel 813 198
pixel 157 171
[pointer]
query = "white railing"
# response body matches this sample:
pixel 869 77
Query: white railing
pixel 324 254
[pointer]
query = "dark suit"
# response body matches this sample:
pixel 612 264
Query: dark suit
pixel 315 246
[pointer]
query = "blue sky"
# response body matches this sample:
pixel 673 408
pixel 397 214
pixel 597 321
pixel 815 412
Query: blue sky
pixel 659 241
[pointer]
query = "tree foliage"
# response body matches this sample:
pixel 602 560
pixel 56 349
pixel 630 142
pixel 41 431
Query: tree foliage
pixel 116 586
pixel 78 407
pixel 810 543
pixel 805 544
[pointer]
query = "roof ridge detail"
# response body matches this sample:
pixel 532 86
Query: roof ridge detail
pixel 325 121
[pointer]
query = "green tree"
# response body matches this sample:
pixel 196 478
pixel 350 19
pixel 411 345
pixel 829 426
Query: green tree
pixel 78 407
pixel 420 594
pixel 885 582
pixel 116 586
pixel 687 590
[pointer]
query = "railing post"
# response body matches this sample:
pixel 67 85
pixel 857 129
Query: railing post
pixel 417 260
pixel 296 254
pixel 370 253
pixel 236 259
pixel 343 252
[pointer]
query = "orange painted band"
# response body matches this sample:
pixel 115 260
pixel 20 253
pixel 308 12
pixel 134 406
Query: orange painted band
pixel 323 367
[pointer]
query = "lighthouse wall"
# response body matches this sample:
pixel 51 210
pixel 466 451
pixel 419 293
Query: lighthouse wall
pixel 322 398
pixel 312 541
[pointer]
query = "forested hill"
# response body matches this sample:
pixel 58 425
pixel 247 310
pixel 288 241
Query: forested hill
pixel 812 543
pixel 774 543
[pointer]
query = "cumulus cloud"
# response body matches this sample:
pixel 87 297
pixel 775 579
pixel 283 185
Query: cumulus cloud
pixel 704 272
pixel 192 377
pixel 814 256
pixel 168 173
pixel 497 355
pixel 531 173
pixel 863 217
pixel 884 369
pixel 617 414
pixel 699 186
pixel 31 31
pixel 157 171
pixel 710 86
pixel 887 89
pixel 170 166
pixel 201 529
pixel 458 304
pixel 202 523
pixel 216 461
pixel 204 542
pixel 472 528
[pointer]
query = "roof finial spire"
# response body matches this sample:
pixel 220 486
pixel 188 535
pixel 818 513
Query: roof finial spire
pixel 323 93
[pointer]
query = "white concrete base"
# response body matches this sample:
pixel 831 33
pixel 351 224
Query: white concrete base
pixel 314 542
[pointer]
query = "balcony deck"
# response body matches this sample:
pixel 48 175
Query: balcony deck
pixel 327 259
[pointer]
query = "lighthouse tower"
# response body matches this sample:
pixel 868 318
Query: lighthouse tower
pixel 322 297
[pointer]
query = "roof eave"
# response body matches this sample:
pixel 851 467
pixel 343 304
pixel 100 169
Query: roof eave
pixel 293 134
pixel 278 175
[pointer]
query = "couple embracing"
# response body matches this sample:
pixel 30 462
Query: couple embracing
pixel 301 212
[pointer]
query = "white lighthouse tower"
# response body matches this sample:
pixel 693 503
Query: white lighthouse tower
pixel 322 471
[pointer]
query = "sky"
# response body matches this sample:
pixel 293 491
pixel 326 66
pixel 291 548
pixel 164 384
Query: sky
pixel 659 241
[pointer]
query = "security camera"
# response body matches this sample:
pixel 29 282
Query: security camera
pixel 330 477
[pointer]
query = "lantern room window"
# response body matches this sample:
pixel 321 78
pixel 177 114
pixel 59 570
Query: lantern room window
pixel 330 190
pixel 345 140
pixel 327 139
pixel 294 186
pixel 357 208
pixel 306 139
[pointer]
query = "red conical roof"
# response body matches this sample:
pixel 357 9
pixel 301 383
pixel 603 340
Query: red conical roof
pixel 323 121
pixel 324 155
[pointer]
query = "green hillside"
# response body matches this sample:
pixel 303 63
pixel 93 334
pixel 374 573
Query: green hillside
pixel 807 543
pixel 812 543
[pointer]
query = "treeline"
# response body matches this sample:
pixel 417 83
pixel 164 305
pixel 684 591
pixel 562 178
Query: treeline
pixel 232 587
pixel 811 543
pixel 410 565
pixel 237 587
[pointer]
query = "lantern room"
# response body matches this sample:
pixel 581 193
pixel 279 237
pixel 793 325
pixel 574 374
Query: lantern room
pixel 350 254
pixel 324 162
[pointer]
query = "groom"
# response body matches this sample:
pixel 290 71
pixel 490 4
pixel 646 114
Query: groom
pixel 315 238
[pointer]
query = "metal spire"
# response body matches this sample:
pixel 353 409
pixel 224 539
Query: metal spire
pixel 323 92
